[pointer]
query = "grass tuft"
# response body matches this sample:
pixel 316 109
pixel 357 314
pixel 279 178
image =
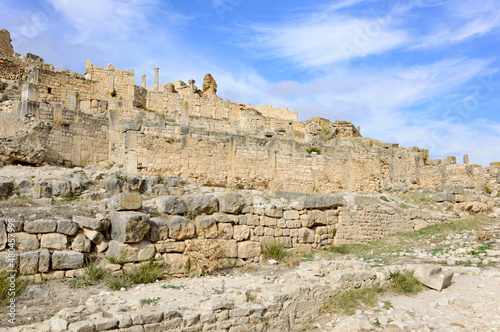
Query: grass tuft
pixel 147 273
pixel 274 250
pixel 405 283
pixel 6 291
pixel 117 282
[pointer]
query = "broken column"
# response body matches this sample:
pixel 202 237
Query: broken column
pixel 156 78
pixel 144 81
pixel 466 159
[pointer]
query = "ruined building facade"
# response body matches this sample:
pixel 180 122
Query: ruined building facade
pixel 178 129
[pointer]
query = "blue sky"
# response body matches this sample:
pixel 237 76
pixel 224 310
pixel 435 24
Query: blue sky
pixel 417 72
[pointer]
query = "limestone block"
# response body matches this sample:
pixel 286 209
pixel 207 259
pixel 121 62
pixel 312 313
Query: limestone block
pixel 170 246
pixel 158 230
pixel 6 261
pixel 136 183
pixel 180 228
pixel 160 189
pixel 94 236
pixel 306 235
pixel 103 324
pixel 291 215
pixel 305 220
pixel 91 223
pixel 28 262
pixel 67 227
pixel 146 250
pixel 26 241
pixel 444 197
pixel 54 241
pixel 176 263
pixel 113 185
pixel 231 202
pixel 227 218
pixel 61 188
pixel 225 231
pixel 122 252
pixel 42 189
pixel 43 261
pixel 124 320
pixel 271 210
pixel 454 189
pixel 433 276
pixel 248 249
pixel 318 218
pixel 150 182
pixel 129 227
pixel 81 243
pixel 206 226
pixel 320 202
pixel 66 260
pixel 171 205
pixel 82 326
pixel 40 226
pixel 201 204
pixel 126 201
pixel 241 232
pixel 58 324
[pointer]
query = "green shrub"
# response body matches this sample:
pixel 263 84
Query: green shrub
pixel 313 149
pixel 405 283
pixel 147 273
pixel 384 198
pixel 77 282
pixel 5 286
pixel 118 282
pixel 274 250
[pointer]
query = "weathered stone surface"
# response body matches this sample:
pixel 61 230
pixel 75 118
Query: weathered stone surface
pixel 320 202
pixel 129 227
pixel 82 326
pixel 91 223
pixel 61 188
pixel 6 188
pixel 158 230
pixel 318 218
pixel 53 241
pixel 248 249
pixel 136 183
pixel 28 262
pixel 26 241
pixel 122 252
pixel 176 263
pixel 241 232
pixel 180 228
pixel 5 43
pixel 433 276
pixel 231 202
pixel 58 324
pixel 113 185
pixel 66 260
pixel 356 323
pixel 206 227
pixel 40 226
pixel 306 235
pixel 291 215
pixel 81 243
pixel 209 86
pixel 126 201
pixel 201 204
pixel 42 189
pixel 43 261
pixel 171 205
pixel 3 234
pixel 170 246
pixel 103 324
pixel 94 236
pixel 146 250
pixel 67 227
pixel 225 231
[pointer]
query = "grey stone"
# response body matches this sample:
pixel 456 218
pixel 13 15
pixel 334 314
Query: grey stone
pixel 171 205
pixel 318 218
pixel 42 189
pixel 82 326
pixel 136 183
pixel 126 201
pixel 34 291
pixel 320 202
pixel 433 276
pixel 66 260
pixel 231 202
pixel 160 189
pixel 219 304
pixel 6 188
pixel 43 261
pixel 129 227
pixel 190 320
pixel 91 223
pixel 180 228
pixel 444 197
pixel 124 320
pixel 58 324
pixel 94 236
pixel 3 234
pixel 201 204
pixel 454 189
pixel 150 182
pixel 23 185
pixel 53 241
pixel 67 227
pixel 103 324
pixel 61 188
pixel 81 243
pixel 113 185
pixel 40 226
pixel 158 230
pixel 28 262
pixel 8 262
pixel 122 252
pixel 26 241
pixel 206 226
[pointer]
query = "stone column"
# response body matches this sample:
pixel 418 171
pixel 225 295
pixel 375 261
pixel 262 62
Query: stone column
pixel 466 159
pixel 156 79
pixel 144 81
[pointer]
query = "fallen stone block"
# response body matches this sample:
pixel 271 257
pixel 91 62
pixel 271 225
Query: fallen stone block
pixel 201 204
pixel 231 202
pixel 433 276
pixel 126 201
pixel 171 205
pixel 129 227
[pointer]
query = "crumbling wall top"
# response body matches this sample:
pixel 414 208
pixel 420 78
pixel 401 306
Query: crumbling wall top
pixel 5 43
